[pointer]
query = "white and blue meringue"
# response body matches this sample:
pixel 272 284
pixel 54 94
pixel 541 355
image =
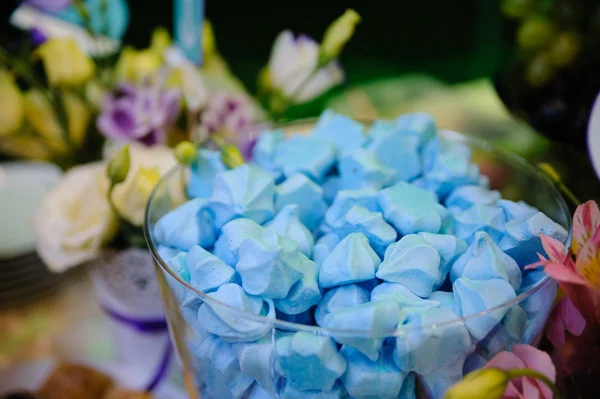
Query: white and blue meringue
pixel 299 190
pixel 308 361
pixel 207 272
pixel 167 253
pixel 487 218
pixel 409 387
pixel 344 296
pixel 361 168
pixel 244 192
pixel 232 325
pixel 287 224
pixel 429 339
pixel 516 210
pixel 509 331
pixel 303 294
pixel 443 298
pixel 331 186
pixel 435 384
pixel 263 153
pixel 419 125
pixel 342 131
pixel 351 261
pixel 311 155
pixel 367 379
pixel 464 197
pixel 377 319
pixel 233 234
pixel 256 361
pixel 337 392
pixel 411 209
pixel 483 260
pixel 346 199
pixel 270 265
pixel 448 246
pixel 413 263
pixel 472 297
pixel 202 173
pixel 185 226
pixel 522 237
pixel 371 224
pixel 178 265
pixel 397 151
pixel 323 248
pixel 402 295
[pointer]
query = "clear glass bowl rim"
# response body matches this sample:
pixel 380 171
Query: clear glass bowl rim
pixel 473 142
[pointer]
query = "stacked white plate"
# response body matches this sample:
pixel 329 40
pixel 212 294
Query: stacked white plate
pixel 23 276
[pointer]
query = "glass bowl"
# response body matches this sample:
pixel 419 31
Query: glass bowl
pixel 272 357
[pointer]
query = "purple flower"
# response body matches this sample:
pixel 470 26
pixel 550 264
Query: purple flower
pixel 49 5
pixel 139 113
pixel 37 36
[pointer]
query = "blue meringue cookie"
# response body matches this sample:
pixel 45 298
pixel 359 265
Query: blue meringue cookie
pixel 233 234
pixel 229 324
pixel 221 250
pixel 202 173
pixel 185 226
pixel 256 361
pixel 475 296
pixel 448 246
pixel 346 199
pixel 287 224
pixel 304 294
pixel 398 152
pixel 222 374
pixel 256 392
pixel 351 261
pixel 485 261
pixel 538 306
pixel 435 384
pixel 429 339
pixel 516 210
pixel 409 387
pixel 166 253
pixel 270 265
pixel 263 153
pixel 337 392
pixel 344 296
pixel 178 265
pixel 411 209
pixel 345 133
pixel 366 379
pixel 244 192
pixel 371 224
pixel 308 361
pixel 376 318
pixel 306 194
pixel 464 197
pixel 508 332
pixel 419 125
pixel 207 272
pixel 310 155
pixel 443 298
pixel 402 295
pixel 487 218
pixel 323 248
pixel 331 186
pixel 522 237
pixel 439 145
pixel 361 168
pixel 413 263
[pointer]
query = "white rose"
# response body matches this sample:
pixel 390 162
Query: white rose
pixel 147 165
pixel 75 219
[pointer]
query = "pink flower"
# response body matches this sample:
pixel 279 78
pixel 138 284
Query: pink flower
pixel 564 316
pixel 525 357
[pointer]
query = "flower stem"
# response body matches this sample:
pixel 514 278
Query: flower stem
pixel 514 373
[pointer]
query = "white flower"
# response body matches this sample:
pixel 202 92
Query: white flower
pixel 75 219
pixel 147 165
pixel 293 68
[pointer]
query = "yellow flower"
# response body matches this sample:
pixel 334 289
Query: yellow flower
pixel 161 40
pixel 66 64
pixel 208 40
pixel 42 117
pixel 119 165
pixel 338 34
pixel 148 164
pixel 25 146
pixel 489 383
pixel 135 65
pixel 75 219
pixel 12 111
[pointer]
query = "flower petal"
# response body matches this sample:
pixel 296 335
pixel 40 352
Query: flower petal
pixel 585 222
pixel 572 317
pixel 554 248
pixel 536 359
pixel 506 361
pixel 588 260
pixel 555 328
pixel 563 274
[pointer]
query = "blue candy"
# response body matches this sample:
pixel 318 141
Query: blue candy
pixel 464 197
pixel 188 225
pixel 351 261
pixel 484 261
pixel 487 218
pixel 413 263
pixel 310 155
pixel 203 171
pixel 331 186
pixel 448 246
pixel 419 125
pixel 287 224
pixel 411 209
pixel 323 248
pixel 409 387
pixel 263 153
pixel 166 253
pixel 510 331
pixel 244 192
pixel 308 361
pixel 472 297
pixel 367 379
pixel 346 199
pixel 207 272
pixel 307 195
pixel 436 383
pixel 304 294
pixel 402 295
pixel 361 168
pixel 345 296
pixel 337 392
pixel 233 234
pixel 256 361
pixel 443 298
pixel 342 131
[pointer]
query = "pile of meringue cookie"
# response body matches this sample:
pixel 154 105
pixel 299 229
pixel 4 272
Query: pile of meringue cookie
pixel 386 236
